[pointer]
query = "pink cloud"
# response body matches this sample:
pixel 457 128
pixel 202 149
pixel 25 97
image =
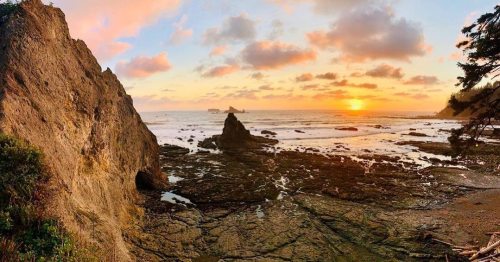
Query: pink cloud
pixel 102 23
pixel 180 33
pixel 322 6
pixel 220 71
pixel 218 50
pixel 422 80
pixel 369 34
pixel 142 66
pixel 266 55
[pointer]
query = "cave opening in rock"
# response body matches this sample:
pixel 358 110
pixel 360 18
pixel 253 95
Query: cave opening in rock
pixel 142 181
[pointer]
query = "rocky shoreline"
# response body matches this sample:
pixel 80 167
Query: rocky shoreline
pixel 250 204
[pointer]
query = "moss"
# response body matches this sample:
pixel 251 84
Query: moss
pixel 25 233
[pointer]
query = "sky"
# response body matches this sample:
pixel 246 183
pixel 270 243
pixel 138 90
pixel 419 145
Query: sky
pixel 383 55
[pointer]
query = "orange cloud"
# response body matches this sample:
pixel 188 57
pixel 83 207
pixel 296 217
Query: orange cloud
pixel 369 34
pixel 327 76
pixel 142 66
pixel 101 23
pixel 347 83
pixel 304 77
pixel 220 71
pixel 385 71
pixel 266 55
pixel 414 96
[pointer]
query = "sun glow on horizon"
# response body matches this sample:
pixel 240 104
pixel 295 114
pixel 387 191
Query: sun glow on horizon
pixel 356 104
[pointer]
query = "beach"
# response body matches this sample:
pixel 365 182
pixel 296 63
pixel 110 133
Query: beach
pixel 389 191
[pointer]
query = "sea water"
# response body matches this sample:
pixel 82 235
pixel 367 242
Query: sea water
pixel 305 129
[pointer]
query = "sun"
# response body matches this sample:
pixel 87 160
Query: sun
pixel 356 104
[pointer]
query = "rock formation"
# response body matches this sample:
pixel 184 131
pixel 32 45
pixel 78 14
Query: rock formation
pixel 54 94
pixel 233 110
pixel 235 136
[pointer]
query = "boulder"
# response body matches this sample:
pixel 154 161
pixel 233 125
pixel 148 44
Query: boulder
pixel 235 136
pixel 267 132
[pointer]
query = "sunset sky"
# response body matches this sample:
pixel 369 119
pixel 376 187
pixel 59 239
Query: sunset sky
pixel 278 54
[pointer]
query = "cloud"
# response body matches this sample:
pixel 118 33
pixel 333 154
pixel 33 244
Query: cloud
pixel 220 71
pixel 385 71
pixel 266 88
pixel 327 76
pixel 372 33
pixel 266 55
pixel 325 7
pixel 337 94
pixel 152 103
pixel 243 94
pixel 422 80
pixel 414 96
pixel 304 77
pixel 345 83
pixel 257 76
pixel 310 87
pixel 102 23
pixel 283 96
pixel 277 29
pixel 236 28
pixel 180 33
pixel 143 66
pixel 218 50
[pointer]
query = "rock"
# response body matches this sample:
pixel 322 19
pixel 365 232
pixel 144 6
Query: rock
pixel 267 132
pixel 300 131
pixel 55 96
pixel 233 110
pixel 496 132
pixel 413 129
pixel 173 150
pixel 235 136
pixel 347 128
pixel 417 134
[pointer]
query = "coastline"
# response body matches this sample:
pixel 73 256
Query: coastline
pixel 279 205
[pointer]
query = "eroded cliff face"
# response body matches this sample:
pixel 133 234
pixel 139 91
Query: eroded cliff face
pixel 54 94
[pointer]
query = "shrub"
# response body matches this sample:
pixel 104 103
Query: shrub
pixel 7 8
pixel 24 232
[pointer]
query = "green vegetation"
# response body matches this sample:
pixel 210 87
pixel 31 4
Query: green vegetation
pixel 7 8
pixel 25 234
pixel 482 49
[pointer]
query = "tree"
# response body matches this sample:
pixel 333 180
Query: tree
pixel 482 52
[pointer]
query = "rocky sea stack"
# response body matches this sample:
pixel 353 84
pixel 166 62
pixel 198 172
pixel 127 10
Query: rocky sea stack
pixel 55 96
pixel 235 136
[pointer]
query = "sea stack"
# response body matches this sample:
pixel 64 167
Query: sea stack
pixel 55 96
pixel 235 136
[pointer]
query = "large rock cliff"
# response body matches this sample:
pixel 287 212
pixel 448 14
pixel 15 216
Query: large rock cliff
pixel 54 94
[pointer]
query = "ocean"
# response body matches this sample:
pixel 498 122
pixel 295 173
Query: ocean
pixel 377 132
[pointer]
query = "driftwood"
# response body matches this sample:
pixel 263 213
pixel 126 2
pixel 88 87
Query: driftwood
pixel 490 253
pixel 486 250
